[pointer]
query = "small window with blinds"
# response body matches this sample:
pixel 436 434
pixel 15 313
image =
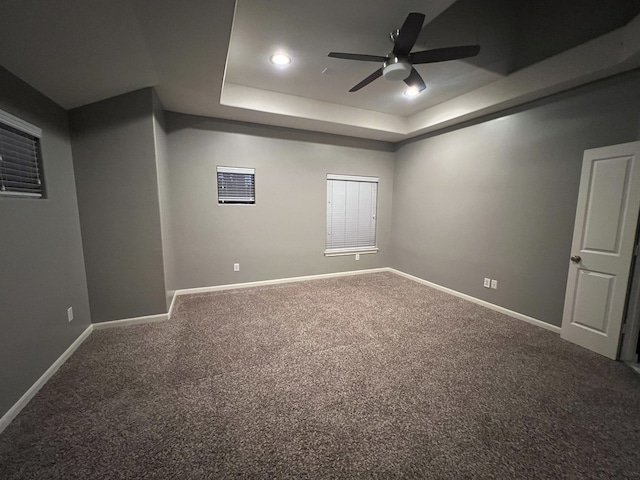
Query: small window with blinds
pixel 351 214
pixel 20 166
pixel 236 185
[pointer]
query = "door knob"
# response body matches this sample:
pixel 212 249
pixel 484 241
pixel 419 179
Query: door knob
pixel 576 259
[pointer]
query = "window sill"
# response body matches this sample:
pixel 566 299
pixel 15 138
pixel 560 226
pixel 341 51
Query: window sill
pixel 20 194
pixel 339 252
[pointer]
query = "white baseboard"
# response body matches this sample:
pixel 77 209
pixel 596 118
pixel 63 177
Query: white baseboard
pixel 131 321
pixel 497 308
pixel 173 301
pixel 8 417
pixel 232 286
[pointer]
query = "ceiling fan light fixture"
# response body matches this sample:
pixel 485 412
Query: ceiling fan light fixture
pixel 412 92
pixel 280 59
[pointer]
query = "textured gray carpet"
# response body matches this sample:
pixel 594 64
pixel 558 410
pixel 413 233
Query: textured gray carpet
pixel 364 376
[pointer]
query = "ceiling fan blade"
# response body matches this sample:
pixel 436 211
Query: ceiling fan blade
pixel 408 34
pixel 358 56
pixel 368 80
pixel 444 54
pixel 415 80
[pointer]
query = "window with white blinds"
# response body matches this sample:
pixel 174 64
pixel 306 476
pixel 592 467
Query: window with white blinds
pixel 236 185
pixel 20 167
pixel 351 214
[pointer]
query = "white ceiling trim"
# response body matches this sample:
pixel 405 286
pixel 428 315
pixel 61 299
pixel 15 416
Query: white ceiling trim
pixel 239 96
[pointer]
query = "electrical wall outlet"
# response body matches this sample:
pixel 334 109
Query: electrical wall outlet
pixel 494 284
pixel 357 256
pixel 487 282
pixel 236 267
pixel 70 313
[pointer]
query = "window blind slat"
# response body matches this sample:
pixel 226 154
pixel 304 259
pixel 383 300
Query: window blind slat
pixel 23 185
pixel 10 177
pixel 10 132
pixel 8 149
pixel 21 168
pixel 18 162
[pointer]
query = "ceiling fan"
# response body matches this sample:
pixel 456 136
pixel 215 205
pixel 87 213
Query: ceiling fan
pixel 398 64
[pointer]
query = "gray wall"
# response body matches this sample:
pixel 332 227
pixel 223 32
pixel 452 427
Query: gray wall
pixel 283 234
pixel 41 265
pixel 162 165
pixel 497 199
pixel 116 174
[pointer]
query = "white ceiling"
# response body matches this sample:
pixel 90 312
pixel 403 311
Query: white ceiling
pixel 211 58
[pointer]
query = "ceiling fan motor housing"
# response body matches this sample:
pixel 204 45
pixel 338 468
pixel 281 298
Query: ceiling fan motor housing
pixel 396 68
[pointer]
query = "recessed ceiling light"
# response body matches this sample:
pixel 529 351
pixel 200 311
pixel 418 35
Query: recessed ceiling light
pixel 412 92
pixel 280 59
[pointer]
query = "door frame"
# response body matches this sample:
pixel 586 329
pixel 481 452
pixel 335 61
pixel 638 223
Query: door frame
pixel 631 323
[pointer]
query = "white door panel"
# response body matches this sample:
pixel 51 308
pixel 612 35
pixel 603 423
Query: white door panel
pixel 605 205
pixel 602 247
pixel 592 303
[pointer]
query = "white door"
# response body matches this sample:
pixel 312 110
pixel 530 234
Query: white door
pixel 602 247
